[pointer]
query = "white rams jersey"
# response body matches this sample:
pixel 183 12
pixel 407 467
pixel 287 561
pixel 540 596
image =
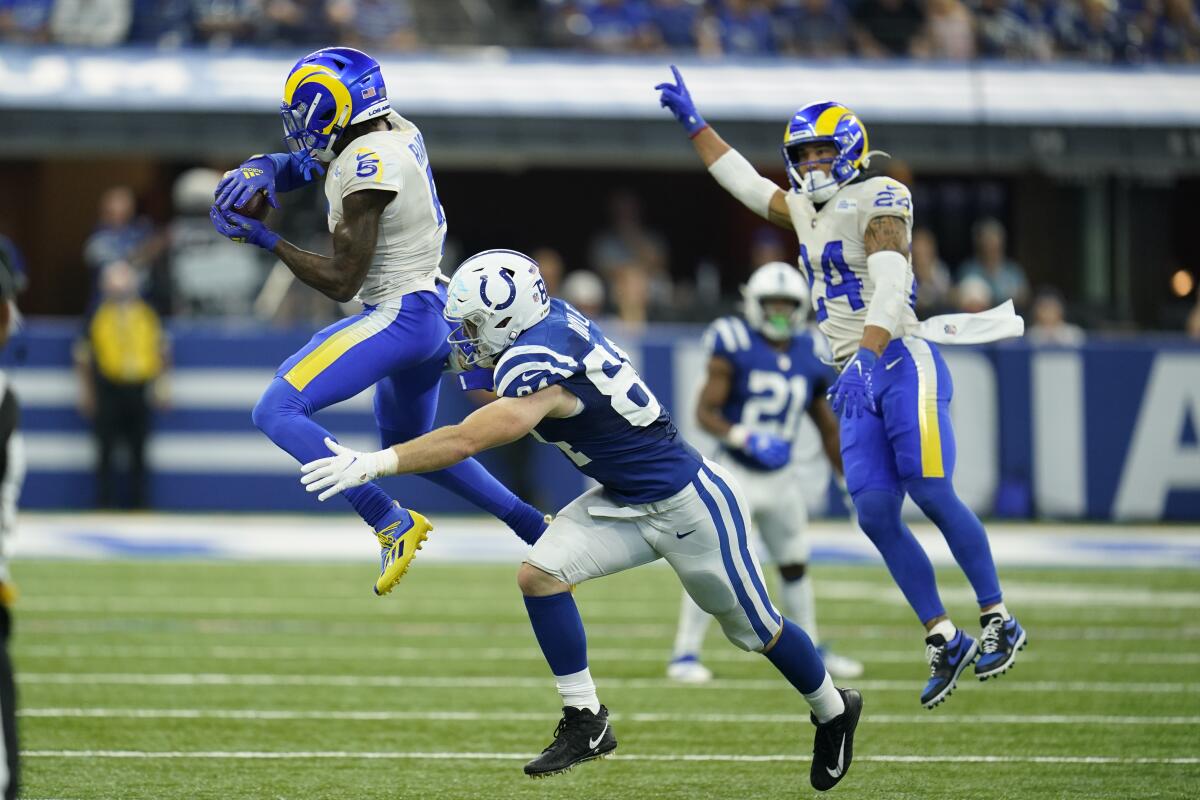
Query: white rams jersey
pixel 413 226
pixel 834 259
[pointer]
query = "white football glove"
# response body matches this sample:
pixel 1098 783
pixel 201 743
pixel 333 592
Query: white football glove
pixel 345 469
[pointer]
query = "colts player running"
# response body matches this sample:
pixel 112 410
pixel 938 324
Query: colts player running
pixel 894 389
pixel 763 373
pixel 388 228
pixel 559 378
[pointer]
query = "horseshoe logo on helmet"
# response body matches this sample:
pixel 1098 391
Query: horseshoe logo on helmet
pixel 512 291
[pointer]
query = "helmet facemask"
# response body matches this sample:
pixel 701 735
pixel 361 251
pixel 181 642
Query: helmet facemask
pixel 820 185
pixel 778 324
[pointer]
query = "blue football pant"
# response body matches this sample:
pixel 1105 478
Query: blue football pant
pixel 907 447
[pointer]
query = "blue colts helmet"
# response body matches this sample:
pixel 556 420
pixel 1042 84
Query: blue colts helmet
pixel 825 122
pixel 326 92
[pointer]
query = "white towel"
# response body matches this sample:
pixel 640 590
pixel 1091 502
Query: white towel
pixel 992 325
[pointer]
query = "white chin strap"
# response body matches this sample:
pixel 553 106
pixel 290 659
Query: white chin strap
pixel 818 186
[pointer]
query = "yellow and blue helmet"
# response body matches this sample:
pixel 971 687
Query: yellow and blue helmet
pixel 825 122
pixel 326 92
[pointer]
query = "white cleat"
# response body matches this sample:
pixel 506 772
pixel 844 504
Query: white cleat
pixel 688 669
pixel 841 668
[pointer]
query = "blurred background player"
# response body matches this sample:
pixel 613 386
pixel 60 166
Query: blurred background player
pixel 388 232
pixel 12 476
pixel 558 377
pixel 763 373
pixel 893 391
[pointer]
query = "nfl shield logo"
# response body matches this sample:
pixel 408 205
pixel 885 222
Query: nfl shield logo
pixel 368 93
pixel 951 329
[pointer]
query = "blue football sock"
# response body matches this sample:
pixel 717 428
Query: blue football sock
pixel 285 416
pixel 559 631
pixel 879 517
pixel 964 534
pixel 797 658
pixel 470 481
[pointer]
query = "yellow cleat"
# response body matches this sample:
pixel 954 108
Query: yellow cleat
pixel 399 550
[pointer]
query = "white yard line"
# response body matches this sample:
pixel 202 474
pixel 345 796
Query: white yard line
pixel 717 652
pixel 486 682
pixel 521 716
pixel 472 756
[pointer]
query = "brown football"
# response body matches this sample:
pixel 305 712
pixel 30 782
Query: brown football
pixel 256 207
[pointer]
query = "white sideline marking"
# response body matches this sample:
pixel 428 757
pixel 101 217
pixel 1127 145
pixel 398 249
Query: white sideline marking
pixel 523 716
pixel 477 682
pixel 727 757
pixel 717 654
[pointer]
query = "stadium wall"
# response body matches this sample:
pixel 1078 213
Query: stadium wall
pixel 1108 431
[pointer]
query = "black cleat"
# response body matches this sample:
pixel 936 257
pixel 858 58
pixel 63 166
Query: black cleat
pixel 833 745
pixel 580 736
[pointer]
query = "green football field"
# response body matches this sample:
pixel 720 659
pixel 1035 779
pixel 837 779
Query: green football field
pixel 143 679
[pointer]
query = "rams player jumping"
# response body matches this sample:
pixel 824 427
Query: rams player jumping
pixel 763 375
pixel 893 392
pixel 558 377
pixel 388 229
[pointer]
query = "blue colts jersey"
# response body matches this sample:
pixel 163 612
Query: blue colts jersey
pixel 621 437
pixel 770 389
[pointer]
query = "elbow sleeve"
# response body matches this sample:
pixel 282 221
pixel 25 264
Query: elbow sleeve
pixel 889 271
pixel 740 179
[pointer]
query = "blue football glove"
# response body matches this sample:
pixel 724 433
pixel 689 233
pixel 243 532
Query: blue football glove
pixel 239 185
pixel 852 392
pixel 677 98
pixel 769 451
pixel 244 230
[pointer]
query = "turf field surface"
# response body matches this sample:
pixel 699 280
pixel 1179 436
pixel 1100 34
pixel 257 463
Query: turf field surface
pixel 186 679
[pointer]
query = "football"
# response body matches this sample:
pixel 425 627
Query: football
pixel 256 207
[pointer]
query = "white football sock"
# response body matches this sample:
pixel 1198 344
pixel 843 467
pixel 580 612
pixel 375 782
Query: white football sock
pixel 693 624
pixel 998 609
pixel 799 605
pixel 578 690
pixel 945 628
pixel 826 701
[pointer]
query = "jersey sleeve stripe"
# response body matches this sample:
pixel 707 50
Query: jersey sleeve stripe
pixel 535 370
pixel 524 350
pixel 742 333
pixel 725 332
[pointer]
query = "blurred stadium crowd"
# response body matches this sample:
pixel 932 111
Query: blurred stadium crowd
pixel 1098 31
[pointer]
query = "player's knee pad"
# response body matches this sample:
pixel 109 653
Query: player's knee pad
pixel 932 494
pixel 878 512
pixel 277 403
pixel 793 572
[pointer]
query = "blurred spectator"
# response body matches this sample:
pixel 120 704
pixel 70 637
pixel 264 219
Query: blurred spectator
pixel 1049 324
pixel 631 297
pixel 627 242
pixel 374 24
pixel 740 28
pixel 1002 33
pixel 1192 325
pixel 1092 31
pixel 162 23
pixel 1003 276
pixel 121 363
pixel 886 28
pixel 767 245
pixel 210 275
pixel 949 32
pixel 12 264
pixel 121 235
pixel 1042 21
pixel 973 294
pixel 674 23
pixel 25 21
pixel 583 289
pixel 1172 30
pixel 223 23
pixel 935 287
pixel 606 26
pixel 294 22
pixel 815 29
pixel 92 23
pixel 550 264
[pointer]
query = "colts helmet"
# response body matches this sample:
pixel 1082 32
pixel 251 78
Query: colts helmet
pixel 326 92
pixel 493 297
pixel 825 122
pixel 775 281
